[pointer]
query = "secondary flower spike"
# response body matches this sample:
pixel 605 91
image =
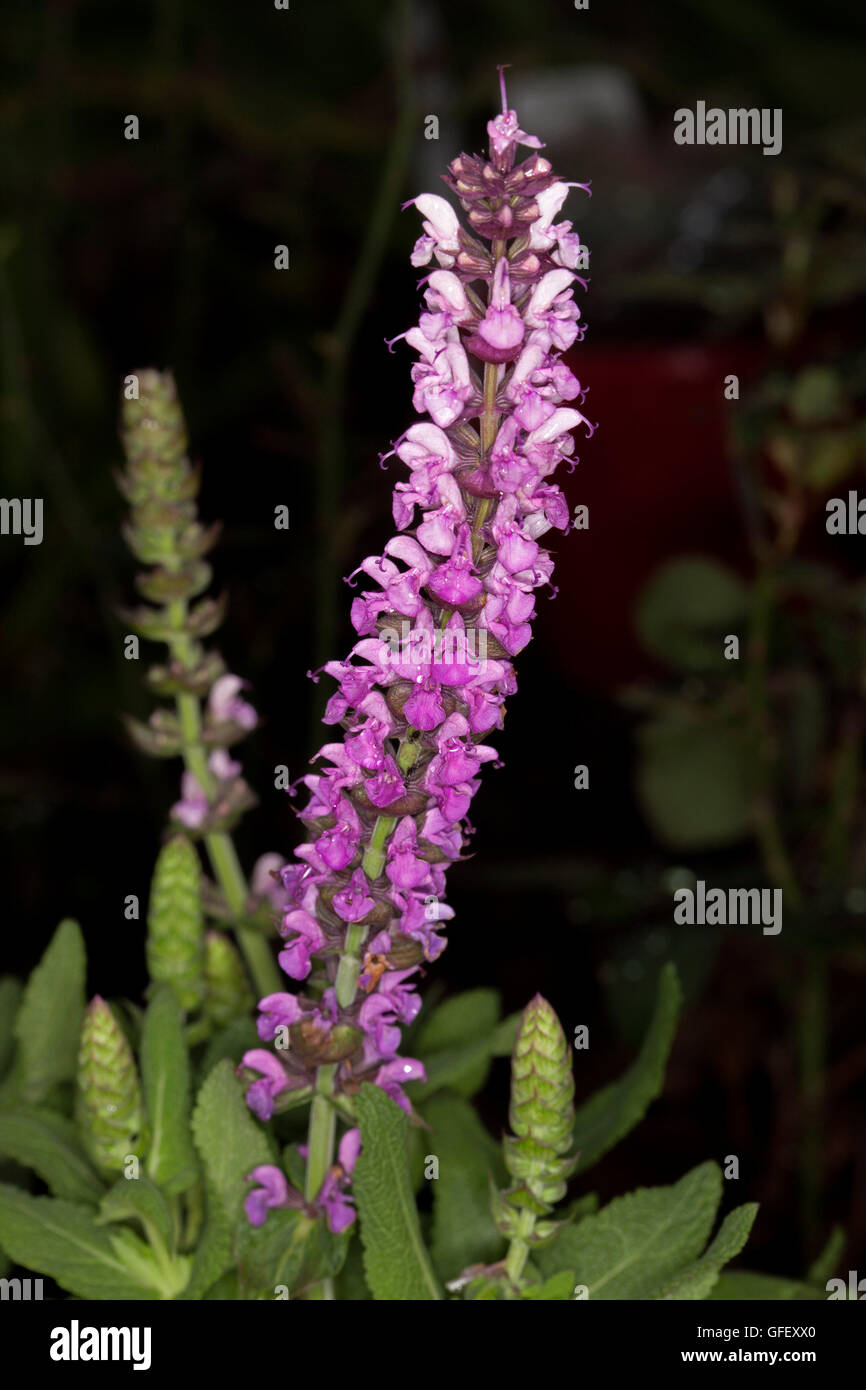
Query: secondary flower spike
pixel 442 615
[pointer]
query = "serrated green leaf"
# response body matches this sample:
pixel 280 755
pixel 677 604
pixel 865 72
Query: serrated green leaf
pixel 558 1287
pixel 463 1229
pixel 171 1159
pixel 48 1023
pixel 48 1143
pixel 10 999
pixel 213 1252
pixel 609 1115
pixel 636 1242
pixel 139 1199
pixel 697 1279
pixel 228 1139
pixel 61 1239
pixel 396 1263
pixel 272 1254
pixel 741 1285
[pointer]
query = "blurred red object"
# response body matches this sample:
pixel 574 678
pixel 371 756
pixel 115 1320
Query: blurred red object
pixel 658 483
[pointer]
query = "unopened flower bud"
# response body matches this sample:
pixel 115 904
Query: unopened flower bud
pixel 108 1107
pixel 175 923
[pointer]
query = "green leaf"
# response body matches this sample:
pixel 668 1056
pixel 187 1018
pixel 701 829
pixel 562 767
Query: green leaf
pixel 636 1242
pixel 396 1263
pixel 213 1253
pixel 463 1024
pixel 696 1280
pixel 48 1143
pixel 463 1228
pixel 460 1019
pixel 228 1139
pixel 352 1286
pixel 558 1287
pixel 171 1160
pixel 61 1239
pixel 609 1115
pixel 272 1254
pixel 694 779
pixel 49 1020
pixel 225 1289
pixel 822 1267
pixel 686 610
pixel 741 1285
pixel 10 998
pixel 459 1067
pixel 232 1041
pixel 139 1199
pixel 324 1254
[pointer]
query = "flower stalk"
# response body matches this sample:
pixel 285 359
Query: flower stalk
pixel 164 532
pixel 451 608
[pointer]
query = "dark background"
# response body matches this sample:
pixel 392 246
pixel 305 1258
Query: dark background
pixel 260 127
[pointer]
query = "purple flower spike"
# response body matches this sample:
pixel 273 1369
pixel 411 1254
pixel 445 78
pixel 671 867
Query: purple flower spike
pixel 440 616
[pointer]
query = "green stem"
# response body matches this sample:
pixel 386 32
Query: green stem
pixel 254 946
pixel 321 1134
pixel 518 1249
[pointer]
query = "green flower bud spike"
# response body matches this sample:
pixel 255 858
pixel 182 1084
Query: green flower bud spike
pixel 228 995
pixel 175 923
pixel 541 1118
pixel 108 1104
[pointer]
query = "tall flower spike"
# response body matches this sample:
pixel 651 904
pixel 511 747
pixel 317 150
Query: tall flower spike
pixel 448 607
pixel 211 712
pixel 165 533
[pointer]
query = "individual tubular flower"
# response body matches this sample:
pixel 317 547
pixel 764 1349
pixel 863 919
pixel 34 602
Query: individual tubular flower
pixel 108 1104
pixel 444 611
